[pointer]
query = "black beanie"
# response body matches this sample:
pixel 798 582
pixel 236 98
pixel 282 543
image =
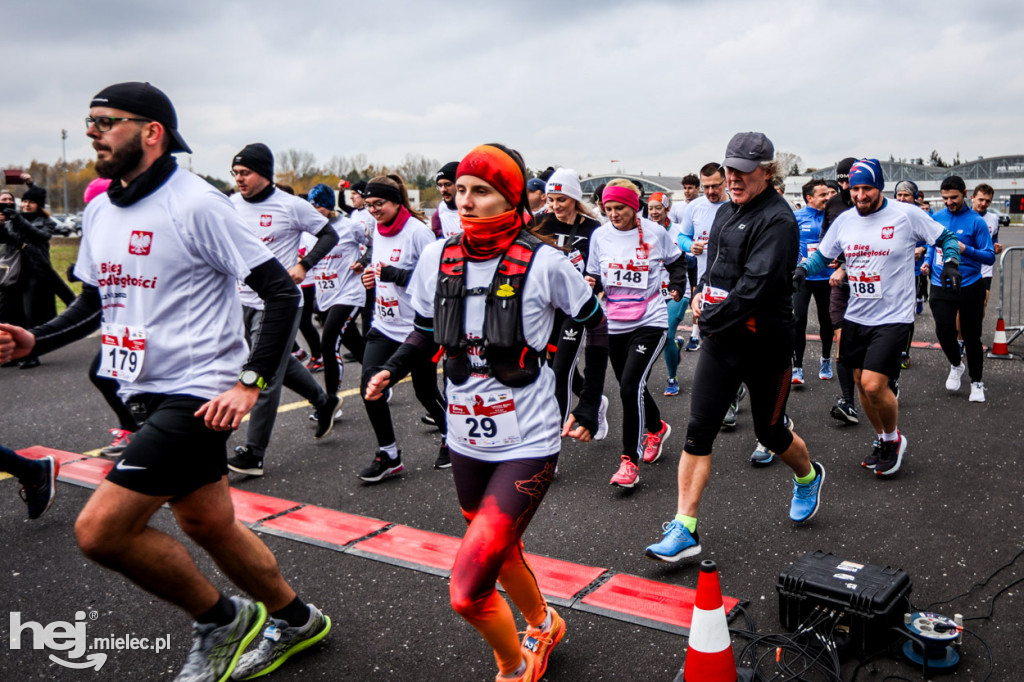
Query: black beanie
pixel 843 169
pixel 447 172
pixel 36 194
pixel 257 158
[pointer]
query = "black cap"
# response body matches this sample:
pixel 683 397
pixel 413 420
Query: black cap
pixel 746 151
pixel 360 188
pixel 145 101
pixel 258 158
pixel 843 169
pixel 447 171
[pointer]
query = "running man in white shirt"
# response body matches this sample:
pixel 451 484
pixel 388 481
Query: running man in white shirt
pixel 878 240
pixel 445 221
pixel 278 219
pixel 160 257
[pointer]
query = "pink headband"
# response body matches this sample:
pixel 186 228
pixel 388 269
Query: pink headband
pixel 621 195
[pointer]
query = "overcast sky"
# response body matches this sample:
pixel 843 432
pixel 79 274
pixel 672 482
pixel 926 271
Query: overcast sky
pixel 657 86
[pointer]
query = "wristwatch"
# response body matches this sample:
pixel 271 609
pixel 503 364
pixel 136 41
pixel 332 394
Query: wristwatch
pixel 252 379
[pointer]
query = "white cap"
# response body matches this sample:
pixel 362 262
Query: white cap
pixel 565 181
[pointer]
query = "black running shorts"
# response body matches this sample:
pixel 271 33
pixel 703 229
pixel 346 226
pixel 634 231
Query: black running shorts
pixel 173 453
pixel 874 348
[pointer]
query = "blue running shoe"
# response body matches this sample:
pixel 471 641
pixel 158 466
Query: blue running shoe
pixel 672 387
pixel 677 543
pixel 807 496
pixel 692 345
pixel 798 376
pixel 825 372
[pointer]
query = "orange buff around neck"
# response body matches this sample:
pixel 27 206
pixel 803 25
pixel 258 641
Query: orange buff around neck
pixel 497 168
pixel 486 238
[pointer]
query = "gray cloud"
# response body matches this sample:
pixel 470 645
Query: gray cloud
pixel 658 86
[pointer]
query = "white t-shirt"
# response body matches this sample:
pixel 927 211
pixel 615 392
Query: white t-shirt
pixel 166 268
pixel 336 283
pixel 363 217
pixel 676 210
pixel 306 242
pixel 392 312
pixel 552 283
pixel 696 224
pixel 629 272
pixel 277 221
pixel 879 252
pixel 992 220
pixel 451 224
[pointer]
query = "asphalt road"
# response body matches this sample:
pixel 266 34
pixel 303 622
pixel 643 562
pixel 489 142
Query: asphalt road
pixel 950 519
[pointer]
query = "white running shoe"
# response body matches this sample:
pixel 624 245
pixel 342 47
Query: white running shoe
pixel 977 392
pixel 955 374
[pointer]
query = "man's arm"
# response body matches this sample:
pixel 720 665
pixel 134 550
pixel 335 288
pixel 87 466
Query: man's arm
pixel 280 301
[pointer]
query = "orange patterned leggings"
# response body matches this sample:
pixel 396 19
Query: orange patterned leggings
pixel 498 500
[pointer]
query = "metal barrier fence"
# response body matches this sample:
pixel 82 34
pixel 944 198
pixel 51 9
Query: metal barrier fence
pixel 1011 291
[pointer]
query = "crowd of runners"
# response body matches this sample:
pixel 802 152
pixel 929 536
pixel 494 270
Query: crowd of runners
pixel 523 292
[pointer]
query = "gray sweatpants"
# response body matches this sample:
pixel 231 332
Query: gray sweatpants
pixel 290 373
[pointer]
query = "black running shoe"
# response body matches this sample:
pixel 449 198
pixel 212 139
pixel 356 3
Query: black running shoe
pixel 382 467
pixel 845 412
pixel 891 458
pixel 40 495
pixel 444 458
pixel 871 461
pixel 428 420
pixel 325 416
pixel 244 462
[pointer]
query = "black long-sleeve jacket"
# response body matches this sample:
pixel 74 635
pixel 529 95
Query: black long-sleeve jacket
pixel 752 252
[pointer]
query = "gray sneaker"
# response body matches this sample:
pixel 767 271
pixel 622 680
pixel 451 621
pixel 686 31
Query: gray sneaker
pixel 279 642
pixel 729 422
pixel 216 650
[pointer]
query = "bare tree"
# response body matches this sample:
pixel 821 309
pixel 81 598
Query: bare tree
pixel 788 164
pixel 296 165
pixel 418 171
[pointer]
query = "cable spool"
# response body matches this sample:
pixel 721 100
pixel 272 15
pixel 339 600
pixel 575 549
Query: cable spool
pixel 933 640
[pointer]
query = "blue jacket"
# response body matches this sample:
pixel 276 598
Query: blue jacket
pixel 970 228
pixel 809 220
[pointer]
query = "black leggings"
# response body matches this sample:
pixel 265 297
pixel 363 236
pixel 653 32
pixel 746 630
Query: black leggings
pixel 306 321
pixel 721 368
pixel 424 382
pixel 108 387
pixel 632 355
pixel 26 470
pixel 970 303
pixel 340 327
pixel 820 290
pixel 590 386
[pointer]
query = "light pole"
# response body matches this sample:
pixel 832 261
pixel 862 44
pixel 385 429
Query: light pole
pixel 64 157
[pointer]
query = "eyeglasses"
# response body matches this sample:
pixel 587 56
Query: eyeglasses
pixel 707 186
pixel 375 205
pixel 241 173
pixel 105 123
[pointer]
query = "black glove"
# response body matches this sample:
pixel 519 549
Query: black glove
pixel 9 211
pixel 950 276
pixel 799 277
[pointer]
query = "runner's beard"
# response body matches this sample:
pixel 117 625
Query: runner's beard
pixel 121 161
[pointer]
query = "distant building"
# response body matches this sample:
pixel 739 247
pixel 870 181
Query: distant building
pixel 1004 173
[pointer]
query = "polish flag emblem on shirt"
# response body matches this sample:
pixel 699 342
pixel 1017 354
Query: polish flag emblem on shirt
pixel 139 243
pixel 396 254
pixel 266 220
pixel 887 232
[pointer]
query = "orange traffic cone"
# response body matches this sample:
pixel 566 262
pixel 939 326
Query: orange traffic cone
pixel 999 347
pixel 710 657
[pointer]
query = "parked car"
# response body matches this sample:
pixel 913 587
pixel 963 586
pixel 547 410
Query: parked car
pixel 1004 220
pixel 65 225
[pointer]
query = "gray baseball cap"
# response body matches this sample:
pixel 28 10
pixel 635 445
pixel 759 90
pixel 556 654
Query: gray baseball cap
pixel 747 150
